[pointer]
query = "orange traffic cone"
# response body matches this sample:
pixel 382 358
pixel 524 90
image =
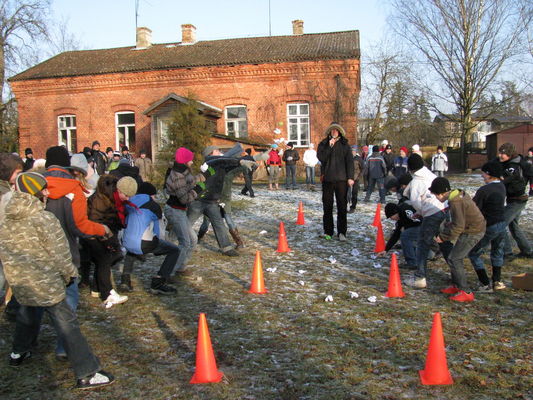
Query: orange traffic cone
pixel 300 220
pixel 377 216
pixel 436 371
pixel 395 285
pixel 206 366
pixel 283 246
pixel 258 283
pixel 380 240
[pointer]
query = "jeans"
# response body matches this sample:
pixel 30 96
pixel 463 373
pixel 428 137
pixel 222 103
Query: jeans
pixel 273 176
pixel 212 211
pixel 290 171
pixel 2 278
pixel 460 250
pixel 248 177
pixel 511 213
pixel 163 248
pixel 381 188
pixel 79 353
pixel 310 175
pixel 72 299
pixel 408 239
pixel 429 228
pixel 494 236
pixel 353 192
pixel 439 173
pixel 339 190
pixel 182 228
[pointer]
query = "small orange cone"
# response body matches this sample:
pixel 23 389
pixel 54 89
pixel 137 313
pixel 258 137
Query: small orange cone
pixel 258 283
pixel 206 366
pixel 436 371
pixel 283 246
pixel 300 220
pixel 377 216
pixel 395 284
pixel 380 241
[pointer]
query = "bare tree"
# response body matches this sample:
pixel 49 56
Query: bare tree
pixel 466 43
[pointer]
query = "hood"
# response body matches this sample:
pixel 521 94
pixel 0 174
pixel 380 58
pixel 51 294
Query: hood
pixel 22 205
pixel 335 126
pixel 60 182
pixel 457 195
pixel 139 200
pixel 424 173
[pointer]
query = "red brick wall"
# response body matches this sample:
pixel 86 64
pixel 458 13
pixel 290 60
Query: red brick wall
pixel 265 89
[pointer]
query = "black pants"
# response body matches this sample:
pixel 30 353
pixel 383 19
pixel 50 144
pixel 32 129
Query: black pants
pixel 103 258
pixel 248 177
pixel 353 195
pixel 339 190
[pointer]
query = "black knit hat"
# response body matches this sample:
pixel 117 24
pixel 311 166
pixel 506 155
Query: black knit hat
pixel 57 155
pixel 415 162
pixel 28 151
pixel 375 149
pixel 290 144
pixel 507 148
pixel 96 142
pixel 493 168
pixel 440 185
pixel 391 209
pixel 125 148
pixel 147 188
pixel 8 164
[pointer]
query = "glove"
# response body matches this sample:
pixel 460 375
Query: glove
pixel 199 188
pixel 248 164
pixel 222 205
pixel 204 167
pixel 289 158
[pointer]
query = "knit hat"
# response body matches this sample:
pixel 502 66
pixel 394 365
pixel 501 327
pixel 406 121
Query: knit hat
pixel 78 162
pixel 405 179
pixel 290 144
pixel 365 149
pixel 28 151
pixel 355 148
pixel 391 209
pixel 125 148
pixel 127 185
pixel 274 146
pixel 208 150
pixel 388 146
pixel 375 149
pixel 147 188
pixel 184 155
pixel 57 155
pixel 415 162
pixel 31 182
pixel 385 142
pixel 415 147
pixel 108 149
pixel 124 161
pixel 507 148
pixel 96 142
pixel 493 168
pixel 117 154
pixel 8 164
pixel 404 149
pixel 440 185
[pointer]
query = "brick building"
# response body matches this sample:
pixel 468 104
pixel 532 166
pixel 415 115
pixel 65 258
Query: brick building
pixel 248 88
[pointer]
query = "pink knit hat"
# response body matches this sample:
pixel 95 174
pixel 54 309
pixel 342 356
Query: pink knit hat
pixel 183 155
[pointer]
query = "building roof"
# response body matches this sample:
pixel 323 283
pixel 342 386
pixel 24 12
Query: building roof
pixel 173 97
pixel 257 50
pixel 502 119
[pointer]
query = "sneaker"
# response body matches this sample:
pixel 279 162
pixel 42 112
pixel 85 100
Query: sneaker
pixel 114 298
pixel 327 237
pixel 351 210
pixel 484 289
pixel 61 357
pixel 450 290
pixel 499 285
pixel 418 283
pixel 159 286
pixel 95 293
pixel 231 253
pixel 408 266
pixel 463 297
pixel 101 378
pixel 15 359
pixel 342 237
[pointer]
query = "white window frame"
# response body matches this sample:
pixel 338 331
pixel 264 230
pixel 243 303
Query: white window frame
pixel 238 133
pixel 302 119
pixel 67 124
pixel 127 132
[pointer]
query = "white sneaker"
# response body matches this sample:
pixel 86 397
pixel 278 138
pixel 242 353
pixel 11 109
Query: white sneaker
pixel 114 298
pixel 419 283
pixel 342 237
pixel 499 285
pixel 484 289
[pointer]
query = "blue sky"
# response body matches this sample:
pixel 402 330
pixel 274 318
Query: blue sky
pixel 111 23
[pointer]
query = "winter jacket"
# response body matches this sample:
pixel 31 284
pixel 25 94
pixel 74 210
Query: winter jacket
pixel 293 155
pixel 516 173
pixel 179 185
pixel 490 199
pixel 146 168
pixel 424 202
pixel 34 252
pixel 439 162
pixel 406 221
pixel 142 223
pixel 127 170
pixel 400 166
pixel 375 167
pixel 28 164
pixel 219 166
pixel 113 165
pixel 358 167
pixel 310 158
pixel 465 217
pixel 100 161
pixel 102 206
pixel 274 158
pixel 389 160
pixel 337 161
pixel 5 195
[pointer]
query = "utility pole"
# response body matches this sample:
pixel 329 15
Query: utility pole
pixel 136 14
pixel 269 21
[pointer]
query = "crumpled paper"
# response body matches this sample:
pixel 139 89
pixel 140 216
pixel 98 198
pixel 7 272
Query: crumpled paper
pixel 262 232
pixel 301 283
pixel 302 271
pixel 356 253
pixel 354 295
pixel 332 259
pixel 372 299
pixel 272 269
pixel 377 265
pixel 329 298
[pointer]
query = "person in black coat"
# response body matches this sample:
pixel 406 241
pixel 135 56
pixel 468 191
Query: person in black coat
pixel 125 169
pixel 248 175
pixel 336 174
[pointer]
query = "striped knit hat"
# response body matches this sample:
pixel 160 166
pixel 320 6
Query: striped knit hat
pixel 31 182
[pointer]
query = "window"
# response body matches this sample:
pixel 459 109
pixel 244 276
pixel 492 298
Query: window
pixel 298 124
pixel 66 127
pixel 236 121
pixel 125 134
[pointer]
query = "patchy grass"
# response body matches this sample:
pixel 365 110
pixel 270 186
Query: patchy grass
pixel 290 343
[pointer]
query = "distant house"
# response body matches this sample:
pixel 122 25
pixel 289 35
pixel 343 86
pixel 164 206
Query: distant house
pixel 485 126
pixel 521 136
pixel 248 88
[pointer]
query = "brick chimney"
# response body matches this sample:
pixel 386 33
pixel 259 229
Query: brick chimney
pixel 188 34
pixel 297 27
pixel 144 37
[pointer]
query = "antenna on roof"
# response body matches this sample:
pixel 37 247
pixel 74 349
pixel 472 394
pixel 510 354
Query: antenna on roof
pixel 136 14
pixel 269 21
